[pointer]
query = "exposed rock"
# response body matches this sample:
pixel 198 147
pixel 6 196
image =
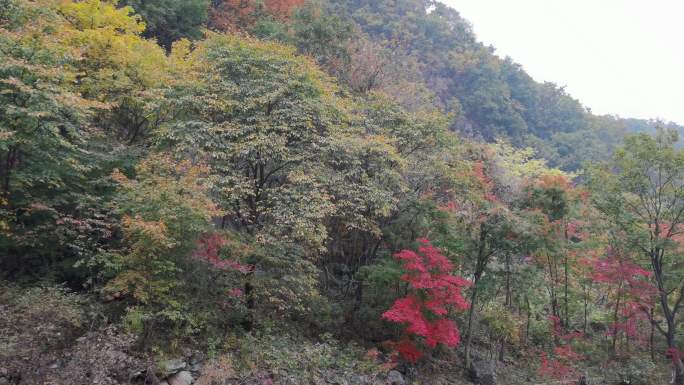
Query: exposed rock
pixel 181 378
pixel 482 372
pixel 197 358
pixel 395 378
pixel 173 366
pixel 196 362
pixel 196 367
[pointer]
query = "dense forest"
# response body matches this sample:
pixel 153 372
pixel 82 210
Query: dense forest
pixel 226 192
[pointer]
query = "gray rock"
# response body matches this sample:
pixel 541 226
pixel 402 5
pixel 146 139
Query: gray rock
pixel 173 366
pixel 483 372
pixel 163 383
pixel 181 378
pixel 395 378
pixel 196 367
pixel 197 358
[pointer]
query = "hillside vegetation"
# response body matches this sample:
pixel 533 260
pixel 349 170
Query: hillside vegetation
pixel 336 192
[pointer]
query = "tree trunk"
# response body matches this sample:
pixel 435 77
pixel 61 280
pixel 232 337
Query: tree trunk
pixel 615 321
pixel 586 305
pixel 248 321
pixel 529 315
pixel 480 265
pixel 670 313
pixel 677 363
pixel 566 324
pixel 471 313
pixel 679 377
pixel 508 304
pixel 652 337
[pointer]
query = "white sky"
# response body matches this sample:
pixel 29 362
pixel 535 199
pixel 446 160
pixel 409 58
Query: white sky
pixel 623 57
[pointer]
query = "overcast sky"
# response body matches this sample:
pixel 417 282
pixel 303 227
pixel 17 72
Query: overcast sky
pixel 623 57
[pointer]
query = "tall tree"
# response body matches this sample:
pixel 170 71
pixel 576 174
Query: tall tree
pixel 641 191
pixel 260 117
pixel 45 136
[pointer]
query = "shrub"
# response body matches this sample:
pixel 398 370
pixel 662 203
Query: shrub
pixel 36 325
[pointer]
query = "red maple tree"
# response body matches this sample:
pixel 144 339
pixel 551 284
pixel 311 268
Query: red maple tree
pixel 433 292
pixel 632 292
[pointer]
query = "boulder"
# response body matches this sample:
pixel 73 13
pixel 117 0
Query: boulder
pixel 181 378
pixel 196 362
pixel 482 372
pixel 395 378
pixel 173 366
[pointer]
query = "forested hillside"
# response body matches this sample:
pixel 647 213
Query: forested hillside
pixel 334 192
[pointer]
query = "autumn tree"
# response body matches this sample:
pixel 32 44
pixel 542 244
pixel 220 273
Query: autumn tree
pixel 46 133
pixel 118 67
pixel 165 209
pixel 480 226
pixel 553 198
pixel 490 223
pixel 640 191
pixel 433 293
pixel 236 15
pixel 632 292
pixel 260 117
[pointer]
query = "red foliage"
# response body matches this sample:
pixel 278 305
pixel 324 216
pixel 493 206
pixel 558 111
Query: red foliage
pixel 613 269
pixel 208 248
pixel 584 195
pixel 373 354
pixel 555 368
pixel 450 206
pixel 236 292
pixel 231 15
pixel 675 355
pixel 408 350
pixel 560 366
pixel 566 353
pixel 434 291
pixel 576 229
pixel 633 292
pixel 666 231
pixel 552 181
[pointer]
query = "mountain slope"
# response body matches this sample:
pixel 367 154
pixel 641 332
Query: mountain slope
pixel 491 97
